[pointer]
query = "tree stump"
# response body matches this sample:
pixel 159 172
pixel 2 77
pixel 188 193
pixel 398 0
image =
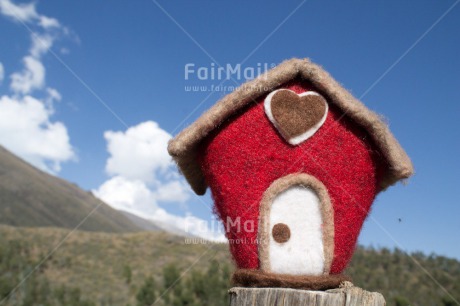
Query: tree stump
pixel 347 295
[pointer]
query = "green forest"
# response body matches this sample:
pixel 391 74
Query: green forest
pixel 146 268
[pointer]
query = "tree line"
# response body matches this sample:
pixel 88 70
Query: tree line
pixel 396 275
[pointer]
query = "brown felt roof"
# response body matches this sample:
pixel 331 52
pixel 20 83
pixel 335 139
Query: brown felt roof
pixel 184 146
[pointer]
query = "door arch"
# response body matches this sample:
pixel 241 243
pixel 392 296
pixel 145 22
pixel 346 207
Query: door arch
pixel 296 227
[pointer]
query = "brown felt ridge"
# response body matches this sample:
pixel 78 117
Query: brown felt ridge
pixel 259 279
pixel 183 147
pixel 295 115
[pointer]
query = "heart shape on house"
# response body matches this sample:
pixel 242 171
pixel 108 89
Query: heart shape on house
pixel 296 116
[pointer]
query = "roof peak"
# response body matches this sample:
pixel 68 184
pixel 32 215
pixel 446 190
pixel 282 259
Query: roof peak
pixel 183 147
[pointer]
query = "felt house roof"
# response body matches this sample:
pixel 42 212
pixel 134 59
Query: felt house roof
pixel 183 148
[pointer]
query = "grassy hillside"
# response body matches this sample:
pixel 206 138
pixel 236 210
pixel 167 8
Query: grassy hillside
pixel 96 263
pixel 30 197
pixel 123 269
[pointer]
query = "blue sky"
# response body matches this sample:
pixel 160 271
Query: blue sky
pixel 118 65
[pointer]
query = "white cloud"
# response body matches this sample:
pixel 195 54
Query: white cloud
pixel 175 191
pixel 30 78
pixel 48 23
pixel 136 195
pixel 27 12
pixel 22 12
pixel 129 195
pixel 26 129
pixel 41 43
pixel 2 73
pixel 144 177
pixel 53 95
pixel 136 198
pixel 139 153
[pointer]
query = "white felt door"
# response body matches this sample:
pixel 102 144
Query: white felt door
pixel 295 235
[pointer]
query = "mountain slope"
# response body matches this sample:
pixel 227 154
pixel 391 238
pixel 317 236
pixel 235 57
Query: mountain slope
pixel 153 226
pixel 30 197
pixel 141 222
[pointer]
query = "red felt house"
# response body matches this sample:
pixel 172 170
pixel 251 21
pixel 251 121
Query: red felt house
pixel 298 157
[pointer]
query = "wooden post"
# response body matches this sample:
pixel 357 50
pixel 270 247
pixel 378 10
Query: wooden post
pixel 346 295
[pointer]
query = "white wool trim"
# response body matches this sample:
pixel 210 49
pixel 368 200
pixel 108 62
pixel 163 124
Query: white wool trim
pixel 303 254
pixel 307 134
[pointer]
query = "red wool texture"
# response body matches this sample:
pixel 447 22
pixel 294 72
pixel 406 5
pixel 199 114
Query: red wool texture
pixel 246 154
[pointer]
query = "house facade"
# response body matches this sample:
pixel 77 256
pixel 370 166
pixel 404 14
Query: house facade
pixel 297 155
